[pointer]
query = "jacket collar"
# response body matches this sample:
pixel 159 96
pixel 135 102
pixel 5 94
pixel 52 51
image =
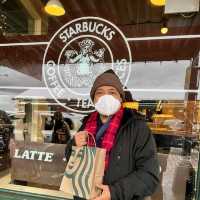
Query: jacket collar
pixel 130 116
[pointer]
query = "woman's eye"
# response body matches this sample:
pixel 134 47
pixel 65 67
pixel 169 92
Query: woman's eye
pixel 73 153
pixel 80 154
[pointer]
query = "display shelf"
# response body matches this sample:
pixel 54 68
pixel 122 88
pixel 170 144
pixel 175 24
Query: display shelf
pixel 173 133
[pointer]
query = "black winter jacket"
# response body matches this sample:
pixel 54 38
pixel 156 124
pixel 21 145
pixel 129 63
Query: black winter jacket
pixel 133 171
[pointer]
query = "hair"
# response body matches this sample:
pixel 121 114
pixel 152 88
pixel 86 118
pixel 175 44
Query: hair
pixel 58 116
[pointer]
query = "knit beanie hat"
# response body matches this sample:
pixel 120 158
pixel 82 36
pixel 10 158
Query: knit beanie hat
pixel 108 78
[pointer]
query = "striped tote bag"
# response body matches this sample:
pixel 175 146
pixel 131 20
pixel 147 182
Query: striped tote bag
pixel 84 170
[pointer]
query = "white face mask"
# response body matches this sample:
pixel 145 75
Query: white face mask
pixel 107 105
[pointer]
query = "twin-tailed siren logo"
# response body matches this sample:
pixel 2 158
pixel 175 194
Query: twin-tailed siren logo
pixel 77 53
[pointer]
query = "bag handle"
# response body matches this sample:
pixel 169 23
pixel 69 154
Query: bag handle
pixel 92 136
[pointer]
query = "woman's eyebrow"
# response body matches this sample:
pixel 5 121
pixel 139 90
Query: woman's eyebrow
pixel 113 90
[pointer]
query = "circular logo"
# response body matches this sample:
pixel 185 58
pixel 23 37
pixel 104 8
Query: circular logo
pixel 77 53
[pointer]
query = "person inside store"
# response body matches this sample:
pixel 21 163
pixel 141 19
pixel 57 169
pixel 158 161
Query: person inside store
pixel 6 132
pixel 131 165
pixel 48 125
pixel 61 131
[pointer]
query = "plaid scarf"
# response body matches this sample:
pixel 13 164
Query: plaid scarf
pixel 110 133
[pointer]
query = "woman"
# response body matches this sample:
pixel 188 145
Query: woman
pixel 61 133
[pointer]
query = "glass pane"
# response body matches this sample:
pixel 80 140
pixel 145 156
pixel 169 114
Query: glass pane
pixel 48 65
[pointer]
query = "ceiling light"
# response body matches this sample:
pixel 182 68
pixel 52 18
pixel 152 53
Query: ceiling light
pixel 164 28
pixel 158 2
pixel 54 7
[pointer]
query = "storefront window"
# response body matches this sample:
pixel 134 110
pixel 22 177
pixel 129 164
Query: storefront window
pixel 48 65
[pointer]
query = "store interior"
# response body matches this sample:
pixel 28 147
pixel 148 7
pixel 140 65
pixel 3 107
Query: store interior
pixel 163 87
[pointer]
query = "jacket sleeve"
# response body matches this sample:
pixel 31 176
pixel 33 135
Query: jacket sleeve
pixel 144 180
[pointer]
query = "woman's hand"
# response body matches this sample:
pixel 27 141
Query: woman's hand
pixel 81 138
pixel 105 195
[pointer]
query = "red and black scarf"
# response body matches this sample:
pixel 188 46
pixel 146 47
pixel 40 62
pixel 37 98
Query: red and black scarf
pixel 110 133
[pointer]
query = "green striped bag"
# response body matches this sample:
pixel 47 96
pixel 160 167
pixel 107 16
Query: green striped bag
pixel 84 171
